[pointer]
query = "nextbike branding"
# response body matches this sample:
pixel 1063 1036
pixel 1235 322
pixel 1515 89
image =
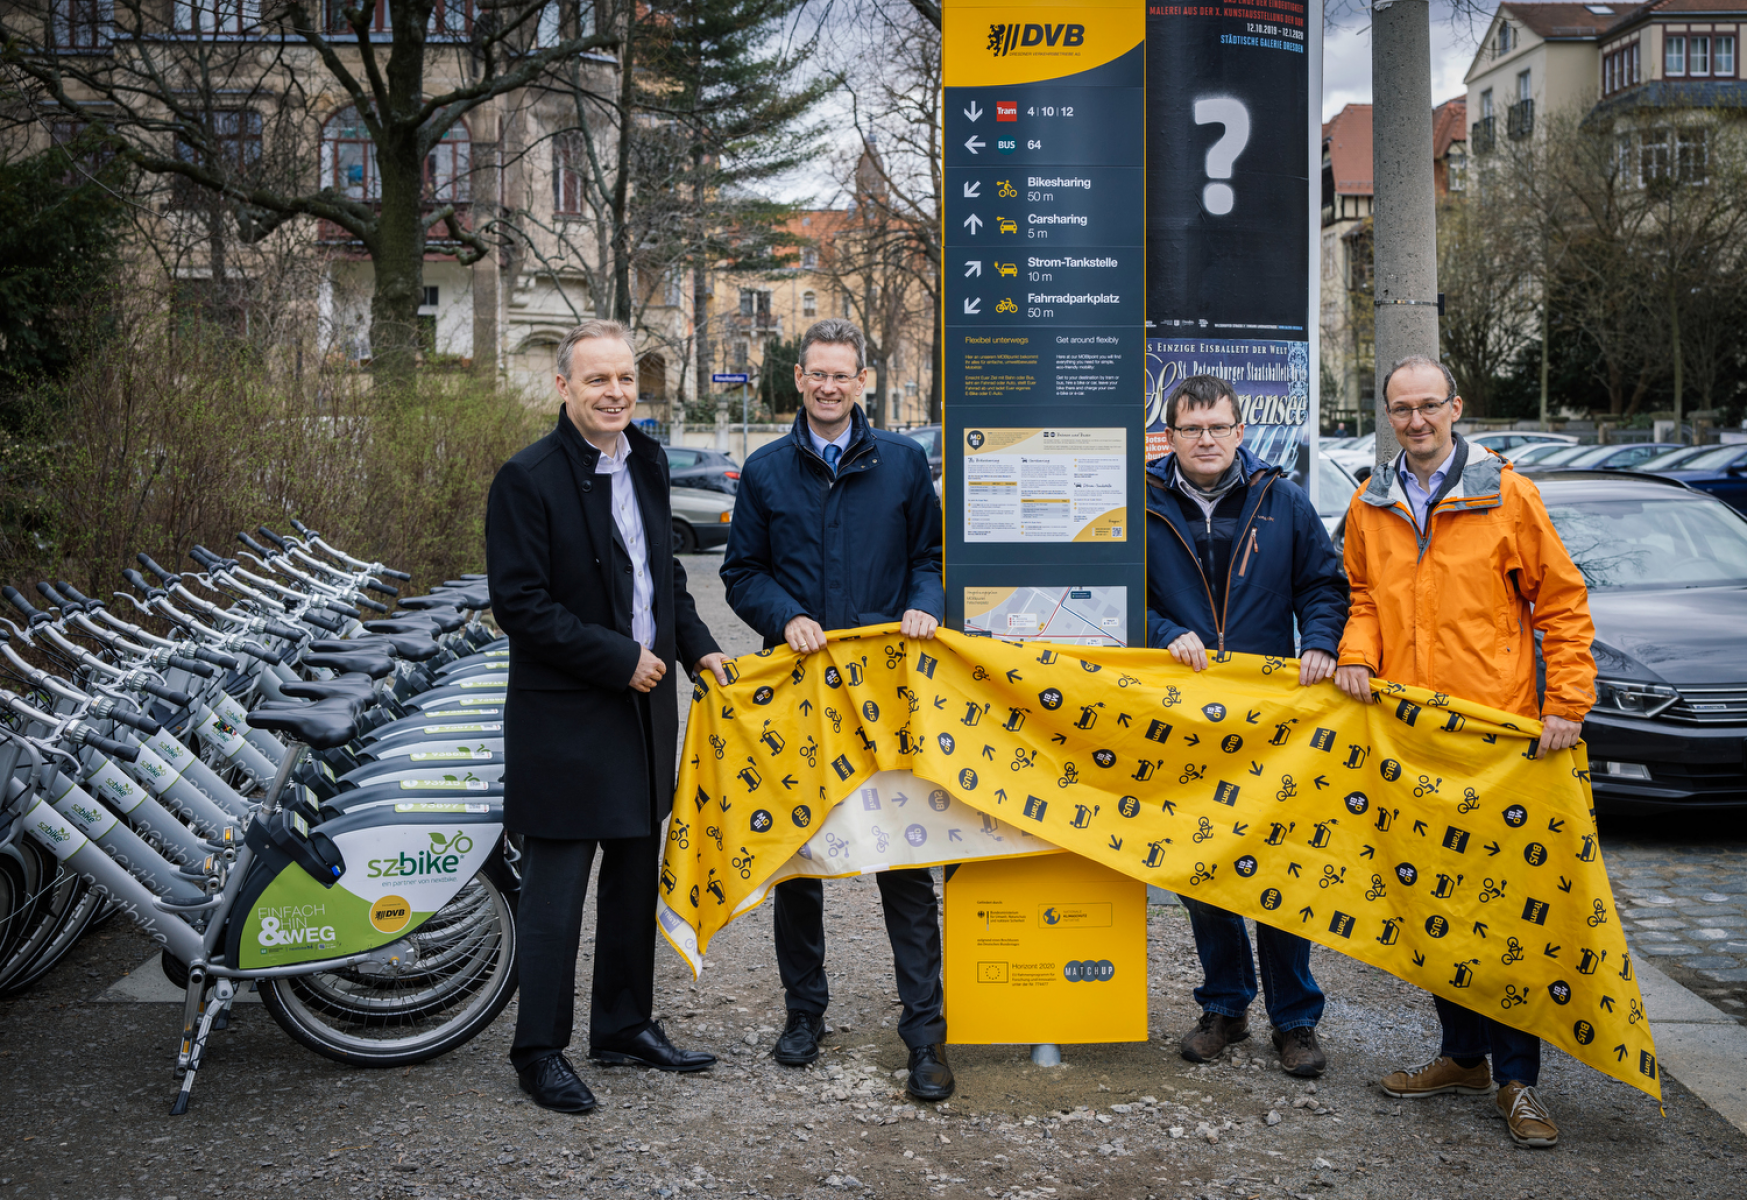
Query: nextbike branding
pixel 295 925
pixel 441 858
pixel 458 754
pixel 489 727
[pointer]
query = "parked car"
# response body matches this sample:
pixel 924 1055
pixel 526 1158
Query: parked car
pixel 1335 486
pixel 700 518
pixel 1668 460
pixel 1667 574
pixel 1722 473
pixel 1507 441
pixel 1357 456
pixel 1528 456
pixel 1617 458
pixel 929 438
pixel 711 470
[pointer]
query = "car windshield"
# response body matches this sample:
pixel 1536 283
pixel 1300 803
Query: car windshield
pixel 1669 460
pixel 1525 455
pixel 1562 455
pixel 1334 487
pixel 1590 456
pixel 1713 459
pixel 1680 541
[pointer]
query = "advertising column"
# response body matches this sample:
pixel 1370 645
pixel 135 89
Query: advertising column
pixel 1231 214
pixel 1045 353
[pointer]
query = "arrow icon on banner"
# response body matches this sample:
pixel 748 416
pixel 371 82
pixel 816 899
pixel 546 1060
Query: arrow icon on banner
pixel 1239 828
pixel 1122 719
pixel 1170 807
pixel 806 707
pixel 972 112
pixel 1115 842
pixel 1491 849
pixel 1321 781
pixel 1060 739
pixel 1550 950
pixel 1419 827
pixel 1253 715
pixel 1014 676
pixel 1193 739
pixel 1620 1052
pixel 1255 767
pixel 972 305
pixel 1480 928
pixel 973 223
pixel 988 752
pixel 973 188
pixel 974 143
pixel 1419 960
pixel 1564 884
pixel 972 266
pixel 1305 913
pixel 1555 826
pixel 952 836
pixel 1368 852
pixel 1607 1002
pixel 1001 795
pixel 1292 870
pixel 900 799
pixel 788 781
pixel 940 702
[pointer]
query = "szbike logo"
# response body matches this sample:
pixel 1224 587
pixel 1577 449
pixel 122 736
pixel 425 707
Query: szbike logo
pixel 302 933
pixel 442 858
pixel 1004 39
pixel 390 914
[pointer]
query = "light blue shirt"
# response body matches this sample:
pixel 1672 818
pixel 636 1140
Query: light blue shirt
pixel 1419 498
pixel 841 441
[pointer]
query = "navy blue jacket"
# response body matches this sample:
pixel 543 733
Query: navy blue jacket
pixel 856 549
pixel 1283 567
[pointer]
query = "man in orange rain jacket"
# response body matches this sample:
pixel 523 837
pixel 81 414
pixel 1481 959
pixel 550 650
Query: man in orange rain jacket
pixel 1454 566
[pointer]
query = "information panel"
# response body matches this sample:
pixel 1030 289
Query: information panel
pixel 1045 296
pixel 1233 149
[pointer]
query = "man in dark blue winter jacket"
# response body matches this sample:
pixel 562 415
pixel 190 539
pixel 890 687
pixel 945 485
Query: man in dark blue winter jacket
pixel 837 525
pixel 1236 561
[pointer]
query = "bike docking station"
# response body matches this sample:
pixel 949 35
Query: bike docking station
pixel 1129 200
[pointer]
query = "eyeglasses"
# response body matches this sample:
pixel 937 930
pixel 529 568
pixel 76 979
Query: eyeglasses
pixel 1403 413
pixel 821 377
pixel 1192 433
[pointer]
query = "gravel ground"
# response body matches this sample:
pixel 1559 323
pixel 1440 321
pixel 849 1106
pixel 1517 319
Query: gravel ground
pixel 88 1086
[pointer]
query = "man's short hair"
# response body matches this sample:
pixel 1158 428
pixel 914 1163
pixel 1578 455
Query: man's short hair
pixel 1200 391
pixel 594 327
pixel 834 331
pixel 1419 360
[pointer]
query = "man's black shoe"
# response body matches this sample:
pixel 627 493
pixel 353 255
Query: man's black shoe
pixel 553 1084
pixel 650 1048
pixel 930 1077
pixel 799 1043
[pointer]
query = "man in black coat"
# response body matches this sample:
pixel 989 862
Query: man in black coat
pixel 578 544
pixel 836 526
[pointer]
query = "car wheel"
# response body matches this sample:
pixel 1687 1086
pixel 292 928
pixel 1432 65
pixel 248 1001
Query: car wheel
pixel 684 540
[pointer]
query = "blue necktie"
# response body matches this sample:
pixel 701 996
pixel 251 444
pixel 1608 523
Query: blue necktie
pixel 833 452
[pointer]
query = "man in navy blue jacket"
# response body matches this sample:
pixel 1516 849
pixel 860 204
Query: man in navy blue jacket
pixel 1236 560
pixel 837 526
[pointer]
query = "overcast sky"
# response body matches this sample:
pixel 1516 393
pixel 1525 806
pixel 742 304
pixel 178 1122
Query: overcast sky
pixel 1346 58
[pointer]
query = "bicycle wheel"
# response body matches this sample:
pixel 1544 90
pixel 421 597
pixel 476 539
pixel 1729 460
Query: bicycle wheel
pixel 72 926
pixel 458 972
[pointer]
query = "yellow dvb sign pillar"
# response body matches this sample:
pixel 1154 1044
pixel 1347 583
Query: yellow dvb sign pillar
pixel 1044 358
pixel 1049 949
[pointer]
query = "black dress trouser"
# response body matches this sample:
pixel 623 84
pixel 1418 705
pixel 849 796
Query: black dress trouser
pixel 912 923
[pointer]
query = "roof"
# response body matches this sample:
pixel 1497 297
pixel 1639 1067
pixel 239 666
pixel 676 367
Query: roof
pixel 1449 125
pixel 1347 140
pixel 1674 93
pixel 1570 22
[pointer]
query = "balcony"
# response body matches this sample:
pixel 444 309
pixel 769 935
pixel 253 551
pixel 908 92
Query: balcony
pixel 1520 119
pixel 1481 135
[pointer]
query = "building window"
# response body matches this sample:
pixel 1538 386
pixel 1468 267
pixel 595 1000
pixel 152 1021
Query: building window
pixel 1458 165
pixel 1723 56
pixel 809 304
pixel 349 161
pixel 809 258
pixel 1523 89
pixel 1653 161
pixel 82 24
pixel 1691 156
pixel 1486 104
pixel 1506 38
pixel 233 17
pixel 1698 56
pixel 336 16
pixel 452 20
pixel 568 161
pixel 1674 56
pixel 233 138
pixel 742 352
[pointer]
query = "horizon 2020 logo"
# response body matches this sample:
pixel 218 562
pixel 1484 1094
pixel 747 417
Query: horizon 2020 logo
pixel 1005 38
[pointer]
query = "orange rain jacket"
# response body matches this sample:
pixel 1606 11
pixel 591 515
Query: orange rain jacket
pixel 1452 608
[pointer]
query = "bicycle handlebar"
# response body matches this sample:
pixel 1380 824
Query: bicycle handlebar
pixel 68 590
pixel 145 560
pixel 272 537
pixel 111 747
pixel 378 586
pixel 191 666
pixel 341 607
pixel 139 581
pixel 284 631
pixel 400 575
pixel 168 695
pixel 252 544
pixel 303 529
pixel 323 621
pixel 367 602
pixel 135 720
pixel 55 598
pixel 217 658
pixel 17 600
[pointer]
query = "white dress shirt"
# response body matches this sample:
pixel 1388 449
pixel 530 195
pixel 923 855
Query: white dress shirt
pixel 629 518
pixel 841 441
pixel 1419 498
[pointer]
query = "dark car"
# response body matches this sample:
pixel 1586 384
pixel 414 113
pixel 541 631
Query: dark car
pixel 1603 458
pixel 711 470
pixel 928 437
pixel 1667 574
pixel 1722 473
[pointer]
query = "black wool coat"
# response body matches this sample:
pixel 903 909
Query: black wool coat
pixel 584 758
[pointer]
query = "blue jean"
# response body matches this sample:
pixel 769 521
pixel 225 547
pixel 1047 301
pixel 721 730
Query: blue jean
pixel 1516 1056
pixel 1229 969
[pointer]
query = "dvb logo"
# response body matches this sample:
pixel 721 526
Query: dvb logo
pixel 1007 37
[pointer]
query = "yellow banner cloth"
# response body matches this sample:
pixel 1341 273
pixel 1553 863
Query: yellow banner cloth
pixel 1416 835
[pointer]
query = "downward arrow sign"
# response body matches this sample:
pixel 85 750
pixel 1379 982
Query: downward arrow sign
pixel 972 266
pixel 1253 715
pixel 1564 884
pixel 973 112
pixel 1419 960
pixel 972 188
pixel 974 143
pixel 1115 842
pixel 973 305
pixel 1255 767
pixel 973 222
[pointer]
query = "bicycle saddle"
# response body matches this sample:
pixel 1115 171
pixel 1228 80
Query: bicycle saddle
pixel 363 660
pixel 357 689
pixel 418 622
pixel 423 603
pixel 414 648
pixel 322 725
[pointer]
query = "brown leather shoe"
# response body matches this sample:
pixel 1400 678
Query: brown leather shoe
pixel 1212 1034
pixel 1300 1053
pixel 1530 1122
pixel 1437 1078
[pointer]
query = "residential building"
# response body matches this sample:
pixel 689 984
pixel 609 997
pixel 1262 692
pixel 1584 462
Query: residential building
pixel 1535 60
